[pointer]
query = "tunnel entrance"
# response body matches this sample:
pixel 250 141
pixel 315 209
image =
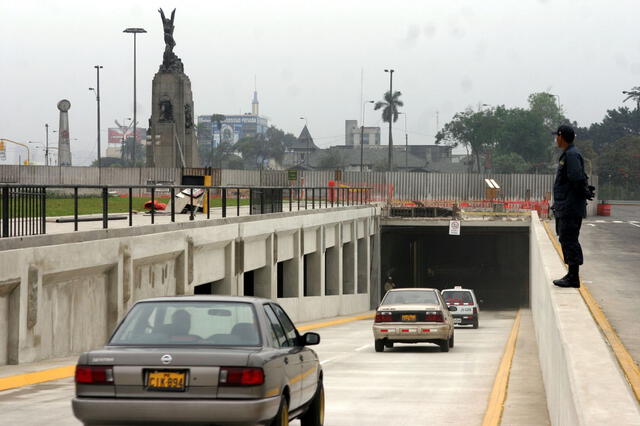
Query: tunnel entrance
pixel 491 260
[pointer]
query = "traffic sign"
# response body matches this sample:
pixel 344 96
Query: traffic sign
pixel 454 227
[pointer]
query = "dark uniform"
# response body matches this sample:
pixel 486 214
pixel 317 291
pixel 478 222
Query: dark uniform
pixel 570 203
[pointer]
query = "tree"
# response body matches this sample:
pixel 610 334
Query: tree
pixel 332 159
pixel 256 150
pixel 615 124
pixel 633 94
pixel 619 163
pixel 390 105
pixel 510 163
pixel 127 153
pixel 473 130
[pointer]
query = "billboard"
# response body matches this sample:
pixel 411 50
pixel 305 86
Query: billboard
pixel 117 134
pixel 233 128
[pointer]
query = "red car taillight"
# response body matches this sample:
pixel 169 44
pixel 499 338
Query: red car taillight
pixel 241 376
pixel 433 316
pixel 94 374
pixel 383 317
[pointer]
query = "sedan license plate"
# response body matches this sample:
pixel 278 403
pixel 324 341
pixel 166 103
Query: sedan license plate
pixel 457 320
pixel 411 317
pixel 166 380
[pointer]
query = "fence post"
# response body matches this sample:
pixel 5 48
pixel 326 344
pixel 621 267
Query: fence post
pixel 224 202
pixel 250 201
pixel 290 195
pixel 75 208
pixel 261 197
pixel 5 211
pixel 44 210
pixel 173 204
pixel 105 207
pixel 208 203
pixel 237 201
pixel 313 198
pixel 130 206
pixel 153 205
pixel 193 208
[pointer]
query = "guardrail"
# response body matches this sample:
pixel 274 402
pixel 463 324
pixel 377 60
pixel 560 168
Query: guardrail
pixel 23 208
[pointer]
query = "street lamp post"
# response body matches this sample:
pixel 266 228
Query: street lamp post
pixel 362 136
pixel 406 143
pixel 97 92
pixel 390 71
pixel 135 32
pixel 46 149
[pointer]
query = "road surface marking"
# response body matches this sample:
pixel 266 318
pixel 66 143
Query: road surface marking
pixel 361 348
pixel 495 405
pixel 19 380
pixel 628 365
pixel 618 221
pixel 634 224
pixel 27 379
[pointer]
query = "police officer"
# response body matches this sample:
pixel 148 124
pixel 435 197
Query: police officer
pixel 570 205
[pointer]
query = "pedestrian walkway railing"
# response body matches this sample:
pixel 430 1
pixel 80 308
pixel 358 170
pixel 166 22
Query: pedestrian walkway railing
pixel 24 209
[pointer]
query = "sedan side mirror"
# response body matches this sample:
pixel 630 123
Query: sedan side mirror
pixel 310 338
pixel 452 308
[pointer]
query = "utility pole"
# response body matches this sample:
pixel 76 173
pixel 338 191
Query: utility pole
pixel 362 136
pixel 390 162
pixel 98 67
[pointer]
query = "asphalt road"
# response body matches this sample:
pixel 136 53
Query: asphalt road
pixel 407 385
pixel 611 247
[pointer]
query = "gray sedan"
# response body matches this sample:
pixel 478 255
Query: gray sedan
pixel 204 360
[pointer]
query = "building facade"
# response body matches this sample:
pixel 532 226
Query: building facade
pixel 370 135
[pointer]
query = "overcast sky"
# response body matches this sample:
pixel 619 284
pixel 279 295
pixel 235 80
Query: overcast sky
pixel 309 56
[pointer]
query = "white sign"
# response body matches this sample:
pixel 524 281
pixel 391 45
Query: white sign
pixel 454 227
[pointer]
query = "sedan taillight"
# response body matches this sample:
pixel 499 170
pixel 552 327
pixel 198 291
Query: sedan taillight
pixel 433 316
pixel 383 317
pixel 94 374
pixel 241 376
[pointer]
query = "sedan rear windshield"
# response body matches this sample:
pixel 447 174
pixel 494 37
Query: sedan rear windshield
pixel 189 323
pixel 457 296
pixel 409 297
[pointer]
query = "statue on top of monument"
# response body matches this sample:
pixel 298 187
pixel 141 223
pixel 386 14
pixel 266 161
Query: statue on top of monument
pixel 168 26
pixel 170 61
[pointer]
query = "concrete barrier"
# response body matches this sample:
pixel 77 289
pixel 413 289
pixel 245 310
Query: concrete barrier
pixel 582 379
pixel 60 299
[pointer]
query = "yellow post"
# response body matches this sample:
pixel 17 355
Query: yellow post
pixel 207 182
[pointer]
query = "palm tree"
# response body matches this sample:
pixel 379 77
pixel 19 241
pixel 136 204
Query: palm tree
pixel 390 114
pixel 634 94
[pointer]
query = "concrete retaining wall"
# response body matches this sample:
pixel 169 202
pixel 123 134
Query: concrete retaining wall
pixel 61 299
pixel 583 382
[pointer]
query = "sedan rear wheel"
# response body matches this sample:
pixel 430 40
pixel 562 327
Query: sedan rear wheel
pixel 475 322
pixel 444 345
pixel 315 414
pixel 282 419
pixel 379 345
pixel 451 342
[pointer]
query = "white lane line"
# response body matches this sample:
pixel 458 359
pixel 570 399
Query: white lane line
pixel 618 221
pixel 591 224
pixel 326 361
pixel 361 348
pixel 634 224
pixel 601 221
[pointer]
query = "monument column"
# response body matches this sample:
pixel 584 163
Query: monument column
pixel 172 140
pixel 64 146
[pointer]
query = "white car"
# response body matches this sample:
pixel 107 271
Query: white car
pixel 465 300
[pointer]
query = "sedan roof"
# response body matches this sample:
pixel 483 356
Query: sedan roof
pixel 207 298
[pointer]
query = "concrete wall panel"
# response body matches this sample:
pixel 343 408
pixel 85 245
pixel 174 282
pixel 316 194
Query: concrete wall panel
pixel 329 235
pixel 66 297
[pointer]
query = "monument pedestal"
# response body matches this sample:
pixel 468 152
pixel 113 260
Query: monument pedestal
pixel 172 130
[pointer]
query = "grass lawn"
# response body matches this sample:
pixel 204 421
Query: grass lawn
pixel 93 205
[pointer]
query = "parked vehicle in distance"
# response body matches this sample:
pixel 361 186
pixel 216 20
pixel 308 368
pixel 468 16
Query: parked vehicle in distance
pixel 413 315
pixel 465 300
pixel 220 360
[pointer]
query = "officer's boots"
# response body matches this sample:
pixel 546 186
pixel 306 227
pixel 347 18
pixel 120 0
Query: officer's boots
pixel 572 279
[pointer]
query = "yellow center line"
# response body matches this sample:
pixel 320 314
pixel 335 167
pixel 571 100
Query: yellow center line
pixel 628 365
pixel 26 379
pixel 495 404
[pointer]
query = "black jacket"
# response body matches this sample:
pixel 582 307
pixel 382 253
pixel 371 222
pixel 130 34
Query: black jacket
pixel 569 187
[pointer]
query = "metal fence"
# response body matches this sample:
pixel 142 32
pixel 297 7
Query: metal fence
pixel 403 185
pixel 23 207
pixel 22 211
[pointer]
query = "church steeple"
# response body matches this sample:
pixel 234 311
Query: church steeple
pixel 255 104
